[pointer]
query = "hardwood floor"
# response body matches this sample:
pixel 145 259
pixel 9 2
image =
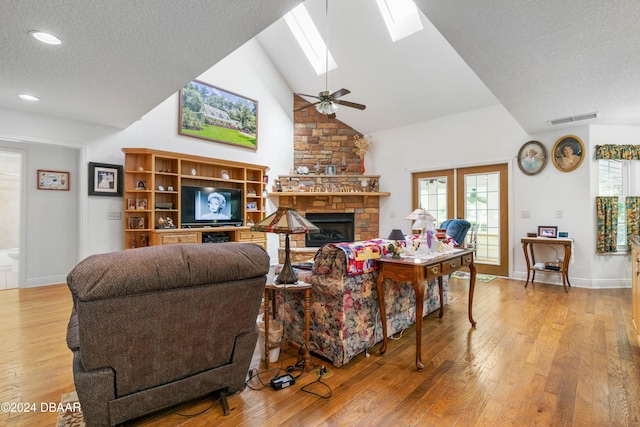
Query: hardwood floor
pixel 538 357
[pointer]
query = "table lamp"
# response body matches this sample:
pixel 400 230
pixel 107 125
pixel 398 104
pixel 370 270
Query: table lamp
pixel 285 221
pixel 396 235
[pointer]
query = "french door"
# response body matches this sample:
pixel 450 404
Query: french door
pixel 477 194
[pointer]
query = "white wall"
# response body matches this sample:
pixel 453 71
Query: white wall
pixel 478 137
pixel 49 241
pixel 489 136
pixel 247 71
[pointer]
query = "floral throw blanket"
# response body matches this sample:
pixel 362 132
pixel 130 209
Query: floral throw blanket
pixel 362 256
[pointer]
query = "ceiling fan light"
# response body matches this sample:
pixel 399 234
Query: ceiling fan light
pixel 327 107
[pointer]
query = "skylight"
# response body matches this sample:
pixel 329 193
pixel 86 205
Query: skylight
pixel 309 38
pixel 401 17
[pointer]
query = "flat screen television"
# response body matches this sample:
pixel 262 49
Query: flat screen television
pixel 210 206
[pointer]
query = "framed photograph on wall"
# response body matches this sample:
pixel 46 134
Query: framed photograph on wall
pixel 532 158
pixel 547 231
pixel 53 180
pixel 105 180
pixel 568 153
pixel 208 112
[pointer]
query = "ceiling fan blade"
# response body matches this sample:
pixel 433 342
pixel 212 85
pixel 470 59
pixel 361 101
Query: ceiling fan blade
pixel 310 96
pixel 350 104
pixel 306 106
pixel 339 93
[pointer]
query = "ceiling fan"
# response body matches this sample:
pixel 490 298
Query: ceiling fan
pixel 328 102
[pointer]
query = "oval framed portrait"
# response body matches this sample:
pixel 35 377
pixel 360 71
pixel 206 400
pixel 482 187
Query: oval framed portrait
pixel 568 153
pixel 532 158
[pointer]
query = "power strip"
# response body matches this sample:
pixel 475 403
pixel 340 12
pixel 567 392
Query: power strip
pixel 282 382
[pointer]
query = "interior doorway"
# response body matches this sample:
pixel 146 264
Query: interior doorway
pixel 10 197
pixel 477 194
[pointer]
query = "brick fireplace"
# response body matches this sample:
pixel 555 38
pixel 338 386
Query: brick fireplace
pixel 319 142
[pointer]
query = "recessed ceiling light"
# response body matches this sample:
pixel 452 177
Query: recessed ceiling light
pixel 28 97
pixel 45 37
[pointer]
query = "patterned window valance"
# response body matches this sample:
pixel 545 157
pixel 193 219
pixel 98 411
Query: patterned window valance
pixel 617 152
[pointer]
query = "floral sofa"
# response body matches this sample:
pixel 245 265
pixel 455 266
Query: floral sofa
pixel 344 311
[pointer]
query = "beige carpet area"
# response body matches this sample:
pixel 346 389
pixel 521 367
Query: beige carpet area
pixel 72 417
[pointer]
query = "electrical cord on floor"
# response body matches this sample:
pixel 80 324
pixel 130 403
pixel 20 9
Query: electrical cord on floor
pixel 197 414
pixel 322 371
pixel 254 373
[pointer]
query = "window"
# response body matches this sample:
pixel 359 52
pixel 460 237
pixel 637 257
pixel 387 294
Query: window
pixel 616 178
pixel 309 39
pixel 401 17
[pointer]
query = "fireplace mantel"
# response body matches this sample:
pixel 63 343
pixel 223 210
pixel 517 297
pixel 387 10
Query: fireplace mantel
pixel 329 194
pixel 345 193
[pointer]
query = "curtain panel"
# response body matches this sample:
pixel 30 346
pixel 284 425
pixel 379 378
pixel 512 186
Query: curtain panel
pixel 632 204
pixel 617 152
pixel 607 224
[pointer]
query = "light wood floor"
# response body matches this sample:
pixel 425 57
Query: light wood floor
pixel 537 357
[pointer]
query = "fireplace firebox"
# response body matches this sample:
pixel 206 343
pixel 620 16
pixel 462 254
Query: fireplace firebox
pixel 334 228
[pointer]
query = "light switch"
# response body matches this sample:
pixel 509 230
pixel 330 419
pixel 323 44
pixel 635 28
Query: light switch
pixel 559 214
pixel 525 214
pixel 114 216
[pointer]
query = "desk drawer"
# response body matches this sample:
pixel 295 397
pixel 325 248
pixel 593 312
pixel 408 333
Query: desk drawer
pixel 466 259
pixel 434 271
pixel 170 239
pixel 450 266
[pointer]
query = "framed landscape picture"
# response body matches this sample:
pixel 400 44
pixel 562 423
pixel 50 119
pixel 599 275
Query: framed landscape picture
pixel 214 114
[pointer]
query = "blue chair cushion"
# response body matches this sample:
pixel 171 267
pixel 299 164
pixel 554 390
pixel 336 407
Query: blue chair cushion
pixel 456 229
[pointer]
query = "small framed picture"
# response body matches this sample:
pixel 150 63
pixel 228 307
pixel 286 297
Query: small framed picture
pixel 547 231
pixel 131 205
pixel 252 206
pixel 160 187
pixel 532 158
pixel 141 185
pixel 141 204
pixel 170 188
pixel 53 180
pixel 136 222
pixel 251 192
pixel 330 170
pixel 105 180
pixel 278 185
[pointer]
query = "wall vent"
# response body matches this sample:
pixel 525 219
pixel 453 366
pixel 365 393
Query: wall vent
pixel 573 118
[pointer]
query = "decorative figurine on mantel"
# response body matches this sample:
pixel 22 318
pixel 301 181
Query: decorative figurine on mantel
pixel 362 145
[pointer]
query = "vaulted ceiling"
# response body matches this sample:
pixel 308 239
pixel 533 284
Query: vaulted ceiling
pixel 540 59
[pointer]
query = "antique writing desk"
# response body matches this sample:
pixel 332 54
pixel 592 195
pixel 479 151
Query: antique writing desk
pixel 416 271
pixel 530 257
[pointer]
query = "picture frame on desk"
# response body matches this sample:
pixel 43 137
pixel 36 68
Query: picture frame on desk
pixel 547 231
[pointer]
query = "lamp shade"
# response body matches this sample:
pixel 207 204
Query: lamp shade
pixel 396 234
pixel 285 221
pixel 420 214
pixel 416 214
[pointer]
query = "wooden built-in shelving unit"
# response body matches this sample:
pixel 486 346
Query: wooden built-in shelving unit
pixel 164 173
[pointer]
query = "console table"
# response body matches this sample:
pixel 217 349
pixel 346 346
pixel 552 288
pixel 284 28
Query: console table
pixel 416 271
pixel 529 256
